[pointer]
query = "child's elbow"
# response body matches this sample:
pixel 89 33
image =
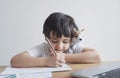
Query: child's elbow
pixel 13 62
pixel 97 58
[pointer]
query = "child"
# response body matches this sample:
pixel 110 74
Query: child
pixel 60 29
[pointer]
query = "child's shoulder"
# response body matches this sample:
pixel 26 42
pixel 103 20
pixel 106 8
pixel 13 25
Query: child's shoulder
pixel 44 44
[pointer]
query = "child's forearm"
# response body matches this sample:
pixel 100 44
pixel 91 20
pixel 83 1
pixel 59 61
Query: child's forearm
pixel 85 57
pixel 27 61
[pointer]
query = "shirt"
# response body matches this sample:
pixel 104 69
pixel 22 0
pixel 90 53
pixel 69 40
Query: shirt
pixel 42 50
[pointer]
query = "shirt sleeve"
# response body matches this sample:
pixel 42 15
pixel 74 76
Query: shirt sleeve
pixel 78 48
pixel 39 50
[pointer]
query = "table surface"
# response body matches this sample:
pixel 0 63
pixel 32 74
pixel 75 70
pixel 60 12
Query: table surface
pixel 66 74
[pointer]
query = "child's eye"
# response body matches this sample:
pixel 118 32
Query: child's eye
pixel 65 42
pixel 54 41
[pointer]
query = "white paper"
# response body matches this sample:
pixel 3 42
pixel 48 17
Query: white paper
pixel 35 70
pixel 35 75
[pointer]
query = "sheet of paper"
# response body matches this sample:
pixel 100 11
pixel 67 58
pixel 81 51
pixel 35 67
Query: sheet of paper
pixel 9 70
pixel 35 75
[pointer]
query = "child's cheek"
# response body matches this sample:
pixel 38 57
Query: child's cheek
pixel 66 47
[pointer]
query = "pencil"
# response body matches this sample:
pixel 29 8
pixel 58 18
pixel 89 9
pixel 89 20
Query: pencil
pixel 49 43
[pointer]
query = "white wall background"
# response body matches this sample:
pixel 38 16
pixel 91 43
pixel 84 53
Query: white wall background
pixel 21 23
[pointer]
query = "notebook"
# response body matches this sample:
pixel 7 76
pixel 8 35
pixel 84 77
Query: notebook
pixel 107 70
pixel 33 72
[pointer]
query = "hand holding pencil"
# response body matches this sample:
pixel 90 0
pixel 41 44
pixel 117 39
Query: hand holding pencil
pixel 57 59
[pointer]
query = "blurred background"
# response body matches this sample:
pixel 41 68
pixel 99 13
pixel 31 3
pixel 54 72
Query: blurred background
pixel 21 24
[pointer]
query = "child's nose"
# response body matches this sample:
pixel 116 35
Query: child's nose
pixel 59 46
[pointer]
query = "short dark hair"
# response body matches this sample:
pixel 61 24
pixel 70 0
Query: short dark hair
pixel 60 24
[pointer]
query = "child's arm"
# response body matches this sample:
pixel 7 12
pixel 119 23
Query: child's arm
pixel 88 55
pixel 24 59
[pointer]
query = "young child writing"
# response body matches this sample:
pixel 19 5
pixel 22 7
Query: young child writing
pixel 60 29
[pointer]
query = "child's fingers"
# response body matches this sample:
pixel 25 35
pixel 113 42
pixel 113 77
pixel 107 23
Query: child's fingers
pixel 54 61
pixel 58 64
pixel 61 59
pixel 61 55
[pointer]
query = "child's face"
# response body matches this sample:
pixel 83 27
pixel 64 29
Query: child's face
pixel 60 44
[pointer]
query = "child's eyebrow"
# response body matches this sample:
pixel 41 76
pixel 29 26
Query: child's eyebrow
pixel 66 39
pixel 53 38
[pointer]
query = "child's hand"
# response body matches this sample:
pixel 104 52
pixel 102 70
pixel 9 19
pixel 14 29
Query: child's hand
pixel 56 61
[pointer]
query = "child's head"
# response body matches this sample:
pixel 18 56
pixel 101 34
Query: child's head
pixel 59 24
pixel 60 29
